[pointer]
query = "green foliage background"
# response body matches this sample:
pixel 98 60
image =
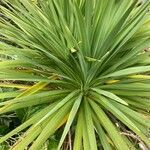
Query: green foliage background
pixel 77 72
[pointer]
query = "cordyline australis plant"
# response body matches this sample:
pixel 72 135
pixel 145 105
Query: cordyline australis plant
pixel 83 59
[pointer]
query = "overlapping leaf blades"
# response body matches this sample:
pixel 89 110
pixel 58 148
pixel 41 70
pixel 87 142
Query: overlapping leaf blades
pixel 80 58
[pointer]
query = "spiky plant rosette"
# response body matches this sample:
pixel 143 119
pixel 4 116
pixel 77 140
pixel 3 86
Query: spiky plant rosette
pixel 83 61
